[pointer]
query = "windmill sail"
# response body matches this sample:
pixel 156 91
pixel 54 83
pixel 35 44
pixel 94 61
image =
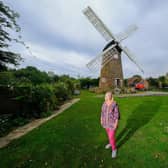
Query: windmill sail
pixel 101 60
pixel 122 36
pixel 98 24
pixel 108 55
pixel 94 64
pixel 131 57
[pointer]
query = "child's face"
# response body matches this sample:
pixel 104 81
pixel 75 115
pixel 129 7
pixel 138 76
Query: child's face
pixel 108 96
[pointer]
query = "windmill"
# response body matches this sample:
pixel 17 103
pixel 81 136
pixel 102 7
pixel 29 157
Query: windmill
pixel 109 60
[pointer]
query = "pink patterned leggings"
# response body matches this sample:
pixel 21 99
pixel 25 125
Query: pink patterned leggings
pixel 111 137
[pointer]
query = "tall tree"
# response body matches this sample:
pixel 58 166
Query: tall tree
pixel 8 23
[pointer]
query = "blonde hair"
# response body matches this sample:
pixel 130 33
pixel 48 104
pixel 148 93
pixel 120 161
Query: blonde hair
pixel 109 94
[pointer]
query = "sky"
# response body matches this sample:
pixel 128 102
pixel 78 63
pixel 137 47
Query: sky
pixel 62 40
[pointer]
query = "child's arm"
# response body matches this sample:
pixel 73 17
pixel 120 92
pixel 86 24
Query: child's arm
pixel 116 124
pixel 101 117
pixel 101 120
pixel 116 116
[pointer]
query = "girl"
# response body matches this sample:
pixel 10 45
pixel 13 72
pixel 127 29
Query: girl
pixel 109 120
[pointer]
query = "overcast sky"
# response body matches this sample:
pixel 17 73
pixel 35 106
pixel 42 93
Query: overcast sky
pixel 62 40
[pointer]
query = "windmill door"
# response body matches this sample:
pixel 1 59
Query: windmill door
pixel 118 82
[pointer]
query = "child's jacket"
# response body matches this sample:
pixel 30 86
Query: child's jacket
pixel 109 114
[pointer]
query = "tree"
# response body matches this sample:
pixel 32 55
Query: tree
pixel 163 80
pixel 8 19
pixel 137 76
pixel 95 82
pixel 153 82
pixel 88 82
pixel 33 75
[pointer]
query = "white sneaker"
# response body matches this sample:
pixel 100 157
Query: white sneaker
pixel 114 153
pixel 108 146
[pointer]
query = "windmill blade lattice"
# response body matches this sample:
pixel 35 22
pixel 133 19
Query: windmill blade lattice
pixel 123 35
pixel 98 24
pixel 131 57
pixel 102 59
pixel 94 64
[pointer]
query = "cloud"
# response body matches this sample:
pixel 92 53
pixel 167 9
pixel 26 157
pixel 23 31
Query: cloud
pixel 61 36
pixel 56 60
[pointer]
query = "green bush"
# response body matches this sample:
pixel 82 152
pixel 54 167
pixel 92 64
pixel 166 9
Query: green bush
pixel 22 90
pixel 70 86
pixel 6 78
pixel 44 99
pixel 35 100
pixel 19 121
pixel 8 122
pixel 5 125
pixel 39 100
pixel 61 91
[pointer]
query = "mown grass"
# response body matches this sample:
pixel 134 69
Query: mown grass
pixel 75 138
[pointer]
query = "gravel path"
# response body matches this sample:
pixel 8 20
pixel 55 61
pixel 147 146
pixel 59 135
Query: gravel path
pixel 147 93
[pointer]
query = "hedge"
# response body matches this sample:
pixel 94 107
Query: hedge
pixel 38 100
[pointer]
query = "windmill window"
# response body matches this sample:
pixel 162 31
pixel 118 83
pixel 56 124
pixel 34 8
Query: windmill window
pixel 103 80
pixel 115 56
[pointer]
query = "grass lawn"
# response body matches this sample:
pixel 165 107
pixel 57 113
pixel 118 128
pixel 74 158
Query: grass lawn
pixel 75 138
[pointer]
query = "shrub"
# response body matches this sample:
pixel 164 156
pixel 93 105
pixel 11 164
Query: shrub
pixel 35 100
pixel 6 78
pixel 43 98
pixel 70 86
pixel 22 90
pixel 38 100
pixel 61 91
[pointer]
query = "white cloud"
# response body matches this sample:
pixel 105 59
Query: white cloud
pixel 71 61
pixel 66 21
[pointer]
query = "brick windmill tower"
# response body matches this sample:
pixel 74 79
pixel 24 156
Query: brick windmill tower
pixel 111 74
